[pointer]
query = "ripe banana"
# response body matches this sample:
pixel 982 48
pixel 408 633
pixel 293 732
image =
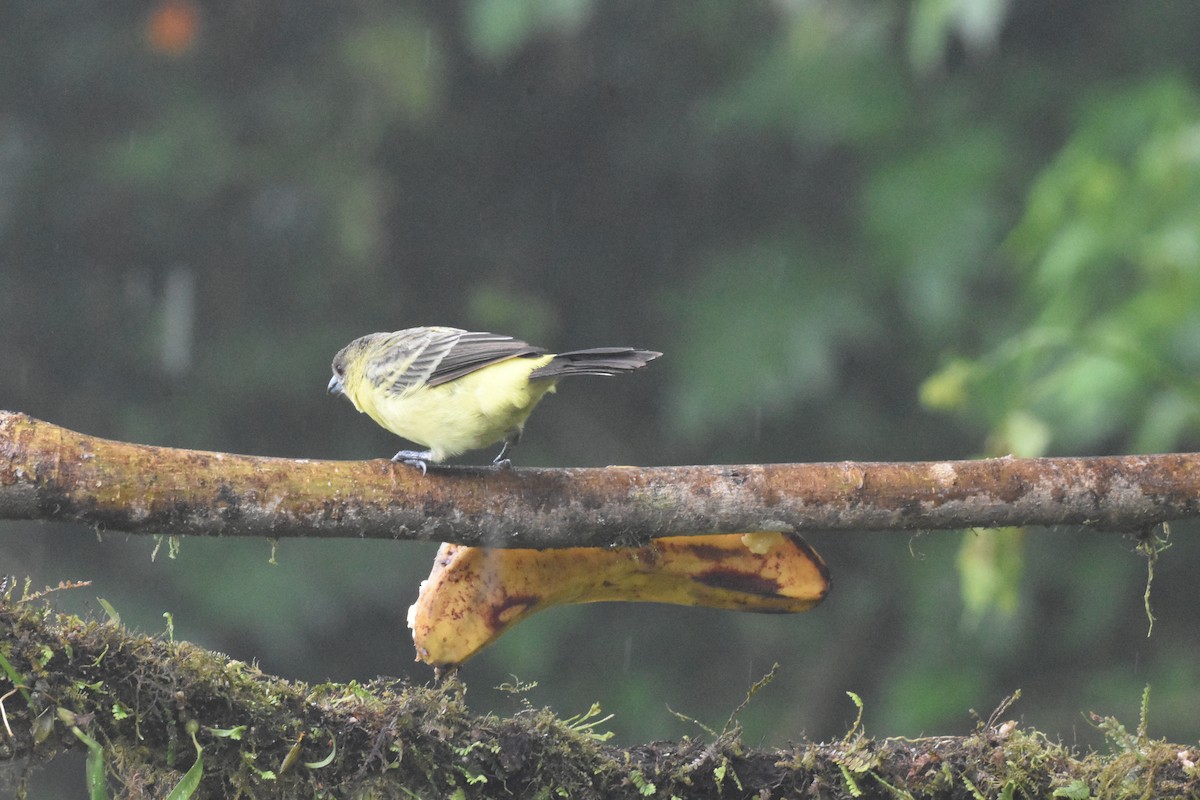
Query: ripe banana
pixel 474 594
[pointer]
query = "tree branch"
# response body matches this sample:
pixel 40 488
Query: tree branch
pixel 50 473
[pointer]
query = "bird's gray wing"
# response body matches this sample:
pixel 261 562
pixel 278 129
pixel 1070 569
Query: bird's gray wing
pixel 432 356
pixel 472 351
pixel 404 359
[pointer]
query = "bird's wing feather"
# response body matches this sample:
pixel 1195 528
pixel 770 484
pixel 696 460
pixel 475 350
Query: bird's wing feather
pixel 401 359
pixel 432 356
pixel 472 351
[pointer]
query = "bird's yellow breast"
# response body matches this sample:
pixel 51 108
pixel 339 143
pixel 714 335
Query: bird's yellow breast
pixel 477 410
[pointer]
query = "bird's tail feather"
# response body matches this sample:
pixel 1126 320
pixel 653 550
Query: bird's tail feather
pixel 596 361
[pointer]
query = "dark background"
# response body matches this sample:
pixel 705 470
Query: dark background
pixel 858 230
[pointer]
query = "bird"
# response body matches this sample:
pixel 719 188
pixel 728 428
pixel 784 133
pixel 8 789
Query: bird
pixel 453 390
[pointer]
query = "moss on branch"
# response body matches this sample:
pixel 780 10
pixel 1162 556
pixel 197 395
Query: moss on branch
pixel 264 736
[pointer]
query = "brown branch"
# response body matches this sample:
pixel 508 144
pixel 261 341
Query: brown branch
pixel 50 473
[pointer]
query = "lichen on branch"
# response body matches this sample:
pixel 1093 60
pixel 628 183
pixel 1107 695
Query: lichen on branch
pixel 50 473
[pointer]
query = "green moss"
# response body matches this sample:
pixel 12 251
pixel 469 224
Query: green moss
pixel 139 697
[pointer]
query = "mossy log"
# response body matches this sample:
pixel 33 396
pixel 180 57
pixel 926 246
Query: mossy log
pixel 140 698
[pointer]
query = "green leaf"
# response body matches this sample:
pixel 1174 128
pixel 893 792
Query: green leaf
pixel 326 761
pixel 113 617
pixel 234 733
pixel 18 680
pixel 93 769
pixel 644 787
pixel 975 793
pixel 851 785
pixel 190 781
pixel 858 719
pixel 1075 790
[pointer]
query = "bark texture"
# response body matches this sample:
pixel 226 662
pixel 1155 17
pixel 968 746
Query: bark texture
pixel 51 473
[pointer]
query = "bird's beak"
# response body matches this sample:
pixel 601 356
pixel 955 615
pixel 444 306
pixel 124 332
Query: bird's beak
pixel 336 387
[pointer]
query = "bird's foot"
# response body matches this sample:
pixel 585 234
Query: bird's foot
pixel 502 462
pixel 415 458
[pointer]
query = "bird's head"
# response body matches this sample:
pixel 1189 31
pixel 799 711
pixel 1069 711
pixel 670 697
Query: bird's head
pixel 348 368
pixel 352 374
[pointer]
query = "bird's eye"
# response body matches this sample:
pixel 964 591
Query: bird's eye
pixel 340 369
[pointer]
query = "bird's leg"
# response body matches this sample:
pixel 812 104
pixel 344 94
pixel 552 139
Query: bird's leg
pixel 415 458
pixel 502 462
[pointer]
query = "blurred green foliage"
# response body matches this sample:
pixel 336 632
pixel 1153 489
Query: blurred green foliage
pixel 1108 345
pixel 894 230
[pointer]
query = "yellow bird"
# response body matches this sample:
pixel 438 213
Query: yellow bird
pixel 453 390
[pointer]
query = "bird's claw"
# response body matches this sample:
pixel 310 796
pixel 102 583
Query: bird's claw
pixel 500 460
pixel 413 458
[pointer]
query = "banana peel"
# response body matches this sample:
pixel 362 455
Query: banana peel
pixel 475 594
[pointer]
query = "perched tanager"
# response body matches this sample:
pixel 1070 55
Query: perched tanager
pixel 452 390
